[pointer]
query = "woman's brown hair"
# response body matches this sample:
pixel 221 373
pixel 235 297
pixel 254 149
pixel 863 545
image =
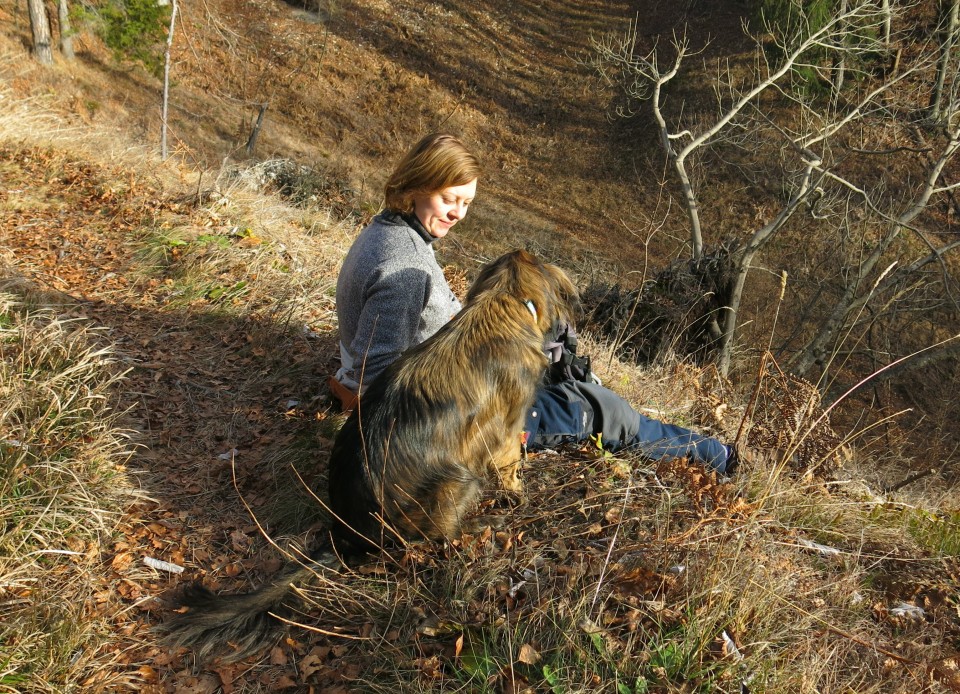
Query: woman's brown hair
pixel 438 161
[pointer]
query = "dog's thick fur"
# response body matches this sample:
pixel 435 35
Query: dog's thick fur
pixel 413 457
pixel 448 413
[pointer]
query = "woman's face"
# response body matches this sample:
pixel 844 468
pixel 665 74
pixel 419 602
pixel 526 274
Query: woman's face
pixel 439 211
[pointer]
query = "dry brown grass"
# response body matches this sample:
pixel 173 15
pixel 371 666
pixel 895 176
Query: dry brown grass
pixel 627 578
pixel 614 575
pixel 31 117
pixel 250 254
pixel 584 591
pixel 63 488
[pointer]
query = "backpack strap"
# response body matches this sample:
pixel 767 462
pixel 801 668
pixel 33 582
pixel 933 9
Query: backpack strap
pixel 560 345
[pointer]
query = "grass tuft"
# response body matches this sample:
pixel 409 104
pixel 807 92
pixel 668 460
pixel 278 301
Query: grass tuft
pixel 62 488
pixel 238 252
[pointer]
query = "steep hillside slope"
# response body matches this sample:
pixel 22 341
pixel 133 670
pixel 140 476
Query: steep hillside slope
pixel 350 85
pixel 613 575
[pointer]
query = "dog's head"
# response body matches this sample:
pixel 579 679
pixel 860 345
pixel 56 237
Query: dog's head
pixel 519 273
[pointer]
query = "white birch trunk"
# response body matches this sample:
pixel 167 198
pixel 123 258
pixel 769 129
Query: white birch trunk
pixel 166 84
pixel 40 26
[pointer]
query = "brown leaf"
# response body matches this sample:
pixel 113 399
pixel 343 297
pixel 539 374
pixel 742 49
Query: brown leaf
pixel 121 561
pixel 429 666
pixel 147 673
pixel 158 528
pixel 350 671
pixel 528 655
pixel 641 582
pixel 226 673
pixel 239 541
pixel 321 652
pixel 162 658
pixel 249 241
pixel 311 663
pixel 278 656
pixel 372 569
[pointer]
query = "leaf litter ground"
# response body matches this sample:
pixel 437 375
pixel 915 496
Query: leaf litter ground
pixel 595 574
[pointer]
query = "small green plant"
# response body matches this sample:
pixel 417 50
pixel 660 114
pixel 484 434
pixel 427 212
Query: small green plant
pixel 216 240
pixel 553 679
pixel 162 249
pixel 939 533
pixel 478 661
pixel 135 30
pixel 220 293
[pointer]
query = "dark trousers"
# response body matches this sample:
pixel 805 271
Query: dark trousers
pixel 574 411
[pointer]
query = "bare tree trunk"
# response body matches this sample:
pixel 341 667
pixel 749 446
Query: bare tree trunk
pixel 678 160
pixel 933 356
pixel 887 22
pixel 255 133
pixel 166 83
pixel 66 33
pixel 839 61
pixel 949 11
pixel 757 241
pixel 854 296
pixel 40 26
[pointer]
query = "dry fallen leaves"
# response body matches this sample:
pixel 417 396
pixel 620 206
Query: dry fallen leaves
pixel 528 655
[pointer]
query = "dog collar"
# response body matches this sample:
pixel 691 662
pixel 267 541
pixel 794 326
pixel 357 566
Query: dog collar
pixel 533 309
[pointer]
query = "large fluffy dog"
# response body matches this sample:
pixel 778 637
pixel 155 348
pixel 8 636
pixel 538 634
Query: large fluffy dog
pixel 413 457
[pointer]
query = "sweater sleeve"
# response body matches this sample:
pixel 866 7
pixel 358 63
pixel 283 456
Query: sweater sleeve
pixel 389 320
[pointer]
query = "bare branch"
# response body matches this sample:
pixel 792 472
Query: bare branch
pixel 813 145
pixel 791 61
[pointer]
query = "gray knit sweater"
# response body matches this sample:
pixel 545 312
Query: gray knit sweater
pixel 391 295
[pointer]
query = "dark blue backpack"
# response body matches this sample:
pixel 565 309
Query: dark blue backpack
pixel 560 345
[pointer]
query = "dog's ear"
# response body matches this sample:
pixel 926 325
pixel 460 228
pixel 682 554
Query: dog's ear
pixel 521 274
pixel 493 276
pixel 511 273
pixel 562 298
pixel 565 289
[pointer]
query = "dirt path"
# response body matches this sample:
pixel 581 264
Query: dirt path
pixel 207 394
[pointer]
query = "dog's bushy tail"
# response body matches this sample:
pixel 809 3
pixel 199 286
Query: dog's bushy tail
pixel 243 623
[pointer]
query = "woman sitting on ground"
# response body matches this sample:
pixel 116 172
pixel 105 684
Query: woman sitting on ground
pixel 392 295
